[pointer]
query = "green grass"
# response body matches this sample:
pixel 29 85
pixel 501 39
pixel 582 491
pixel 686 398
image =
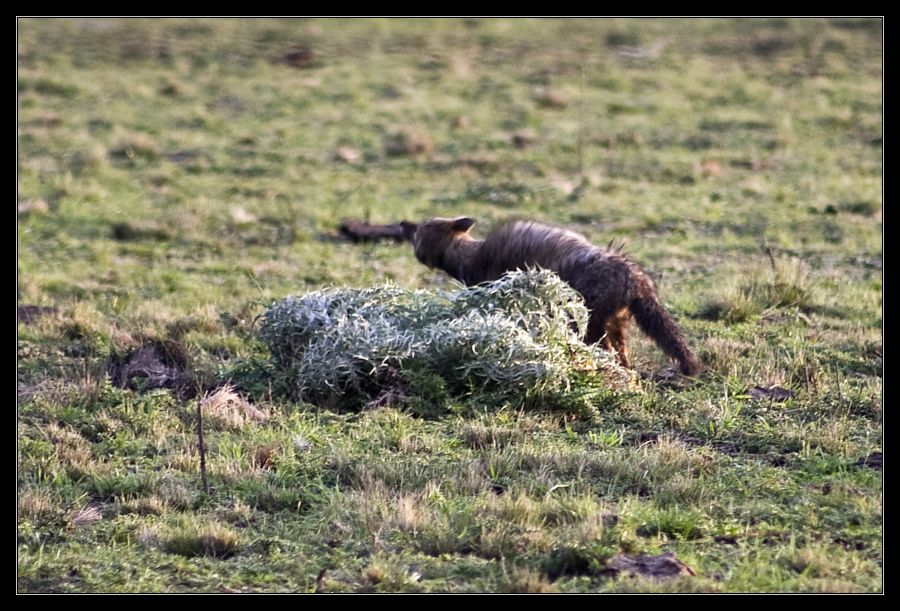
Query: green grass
pixel 177 176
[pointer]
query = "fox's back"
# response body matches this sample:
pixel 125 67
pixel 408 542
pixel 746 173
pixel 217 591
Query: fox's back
pixel 524 244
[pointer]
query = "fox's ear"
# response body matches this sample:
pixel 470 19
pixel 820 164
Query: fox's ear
pixel 463 224
pixel 409 230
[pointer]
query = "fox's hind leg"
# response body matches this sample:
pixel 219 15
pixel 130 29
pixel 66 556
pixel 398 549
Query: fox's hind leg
pixel 596 331
pixel 611 330
pixel 605 327
pixel 616 327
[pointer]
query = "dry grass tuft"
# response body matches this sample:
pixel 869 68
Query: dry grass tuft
pixel 85 516
pixel 198 538
pixel 225 409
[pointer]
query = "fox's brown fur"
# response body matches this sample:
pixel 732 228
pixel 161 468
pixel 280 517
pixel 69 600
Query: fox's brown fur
pixel 614 287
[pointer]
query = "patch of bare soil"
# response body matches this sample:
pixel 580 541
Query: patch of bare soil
pixel 770 393
pixel 360 231
pixel 664 566
pixel 30 313
pixel 155 364
pixel 872 461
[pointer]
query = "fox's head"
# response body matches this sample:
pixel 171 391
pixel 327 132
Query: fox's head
pixel 431 239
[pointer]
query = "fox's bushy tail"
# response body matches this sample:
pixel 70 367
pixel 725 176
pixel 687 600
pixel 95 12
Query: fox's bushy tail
pixel 653 320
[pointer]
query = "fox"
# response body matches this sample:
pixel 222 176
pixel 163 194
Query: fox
pixel 616 290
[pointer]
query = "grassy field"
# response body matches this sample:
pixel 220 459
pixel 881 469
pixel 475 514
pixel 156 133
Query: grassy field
pixel 177 176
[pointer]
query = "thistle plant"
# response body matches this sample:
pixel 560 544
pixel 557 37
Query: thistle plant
pixel 521 334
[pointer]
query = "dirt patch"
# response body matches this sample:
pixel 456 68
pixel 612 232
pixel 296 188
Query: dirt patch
pixel 482 163
pixel 664 566
pixel 851 543
pixel 754 164
pixel 771 393
pixel 872 461
pixel 523 138
pixel 132 232
pixel 186 157
pixel 725 447
pixel 30 313
pixel 347 154
pixel 410 140
pixel 155 364
pixel 668 377
pixel 301 58
pixel 360 231
pixel 776 460
pixel 33 206
pixel 549 98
